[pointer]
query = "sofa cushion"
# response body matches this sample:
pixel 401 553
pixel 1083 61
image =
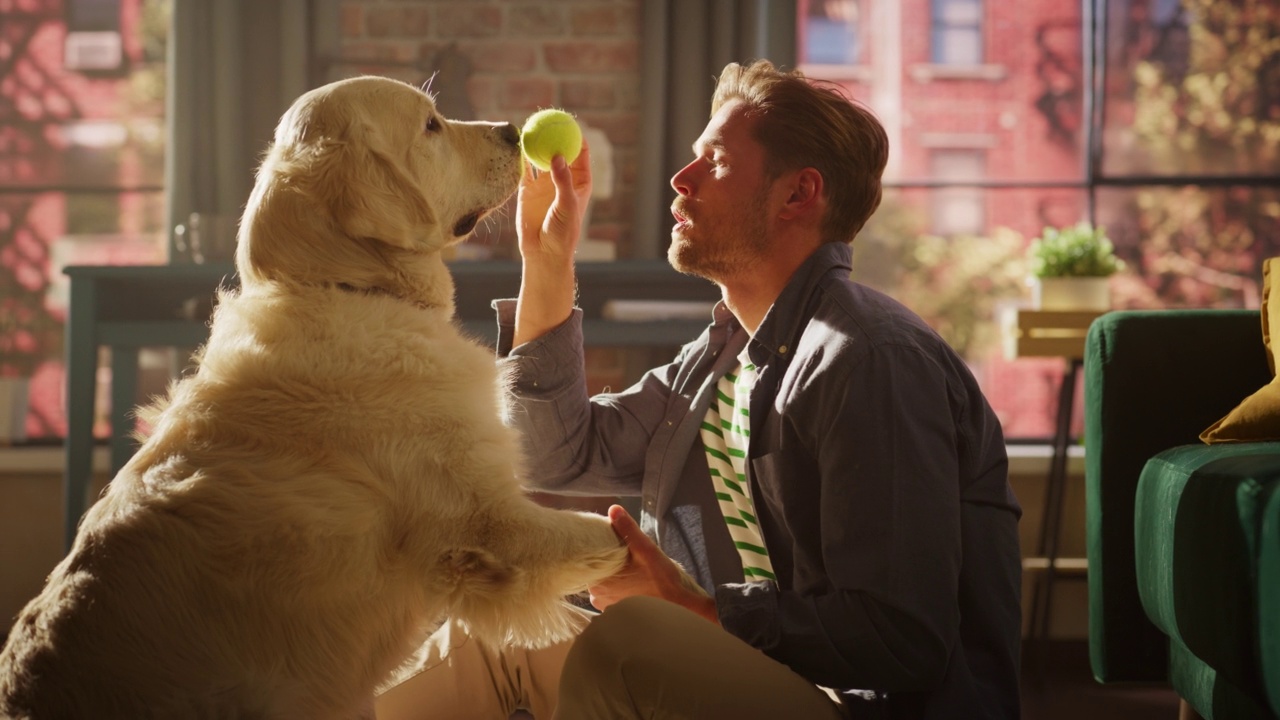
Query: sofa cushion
pixel 1257 417
pixel 1269 597
pixel 1153 379
pixel 1213 696
pixel 1205 563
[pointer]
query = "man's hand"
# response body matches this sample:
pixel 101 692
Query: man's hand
pixel 549 210
pixel 649 572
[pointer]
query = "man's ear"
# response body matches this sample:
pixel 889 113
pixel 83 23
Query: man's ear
pixel 805 192
pixel 370 195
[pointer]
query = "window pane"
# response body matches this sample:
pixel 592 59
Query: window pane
pixel 958 46
pixel 1191 246
pixel 957 32
pixel 81 173
pixel 959 210
pixel 1193 86
pixel 959 12
pixel 831 32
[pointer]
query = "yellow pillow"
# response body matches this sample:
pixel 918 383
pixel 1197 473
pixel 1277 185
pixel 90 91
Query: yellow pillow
pixel 1257 418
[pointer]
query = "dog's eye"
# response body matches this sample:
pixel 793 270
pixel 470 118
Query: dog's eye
pixel 433 124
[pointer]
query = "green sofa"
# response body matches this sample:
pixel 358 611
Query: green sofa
pixel 1183 537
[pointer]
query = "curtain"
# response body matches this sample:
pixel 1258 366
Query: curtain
pixel 684 46
pixel 234 66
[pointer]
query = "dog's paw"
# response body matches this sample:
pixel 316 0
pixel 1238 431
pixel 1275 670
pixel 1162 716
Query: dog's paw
pixel 605 563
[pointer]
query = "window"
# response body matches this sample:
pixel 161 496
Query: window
pixel 833 32
pixel 957 32
pixel 1179 161
pixel 81 171
pixel 958 210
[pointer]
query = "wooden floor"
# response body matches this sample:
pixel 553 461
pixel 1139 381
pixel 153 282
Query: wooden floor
pixel 1065 689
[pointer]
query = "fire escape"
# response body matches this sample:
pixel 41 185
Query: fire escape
pixel 1059 76
pixel 33 104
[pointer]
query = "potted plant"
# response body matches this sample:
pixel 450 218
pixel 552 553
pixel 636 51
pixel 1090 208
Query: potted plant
pixel 1072 267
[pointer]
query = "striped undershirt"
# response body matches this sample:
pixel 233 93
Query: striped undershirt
pixel 725 434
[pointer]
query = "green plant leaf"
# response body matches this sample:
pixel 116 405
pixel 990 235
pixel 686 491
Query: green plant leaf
pixel 1077 251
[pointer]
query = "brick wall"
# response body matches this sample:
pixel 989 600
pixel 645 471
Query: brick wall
pixel 500 60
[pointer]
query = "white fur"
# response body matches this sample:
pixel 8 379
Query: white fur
pixel 335 479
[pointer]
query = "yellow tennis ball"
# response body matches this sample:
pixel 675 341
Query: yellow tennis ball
pixel 548 133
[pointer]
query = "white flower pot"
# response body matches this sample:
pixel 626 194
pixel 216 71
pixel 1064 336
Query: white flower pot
pixel 1072 293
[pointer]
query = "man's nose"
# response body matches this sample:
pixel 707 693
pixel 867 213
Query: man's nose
pixel 682 182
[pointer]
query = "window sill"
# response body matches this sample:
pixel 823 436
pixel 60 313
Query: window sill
pixel 1035 459
pixel 928 72
pixel 1023 460
pixel 46 459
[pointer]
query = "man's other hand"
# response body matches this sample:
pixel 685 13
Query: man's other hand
pixel 649 572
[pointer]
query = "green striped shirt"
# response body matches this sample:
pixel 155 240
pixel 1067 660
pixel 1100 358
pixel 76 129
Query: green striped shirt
pixel 726 432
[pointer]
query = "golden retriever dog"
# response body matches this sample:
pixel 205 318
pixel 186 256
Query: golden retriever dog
pixel 335 479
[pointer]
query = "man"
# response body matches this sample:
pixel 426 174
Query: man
pixel 819 460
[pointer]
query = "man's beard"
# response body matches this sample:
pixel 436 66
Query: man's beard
pixel 722 253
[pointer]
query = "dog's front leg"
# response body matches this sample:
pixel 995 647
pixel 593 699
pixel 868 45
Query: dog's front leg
pixel 512 588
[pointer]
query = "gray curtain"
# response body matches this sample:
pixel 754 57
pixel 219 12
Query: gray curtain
pixel 234 67
pixel 684 46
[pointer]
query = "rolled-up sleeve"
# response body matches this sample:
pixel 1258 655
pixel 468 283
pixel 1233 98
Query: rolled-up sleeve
pixel 577 444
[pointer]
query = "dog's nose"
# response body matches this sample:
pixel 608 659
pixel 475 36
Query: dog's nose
pixel 509 133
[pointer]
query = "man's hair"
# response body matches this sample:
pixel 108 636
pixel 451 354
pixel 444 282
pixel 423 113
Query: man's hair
pixel 803 123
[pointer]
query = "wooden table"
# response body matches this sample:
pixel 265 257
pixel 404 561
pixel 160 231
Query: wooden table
pixel 126 308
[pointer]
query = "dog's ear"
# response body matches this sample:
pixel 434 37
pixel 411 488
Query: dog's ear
pixel 370 194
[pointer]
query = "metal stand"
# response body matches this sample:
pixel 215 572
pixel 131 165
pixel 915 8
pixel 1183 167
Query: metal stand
pixel 1051 522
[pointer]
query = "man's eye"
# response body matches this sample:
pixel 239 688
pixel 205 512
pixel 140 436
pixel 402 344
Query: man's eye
pixel 433 124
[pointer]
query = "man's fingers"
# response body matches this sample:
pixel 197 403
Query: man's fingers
pixel 583 161
pixel 627 529
pixel 621 520
pixel 562 177
pixel 529 174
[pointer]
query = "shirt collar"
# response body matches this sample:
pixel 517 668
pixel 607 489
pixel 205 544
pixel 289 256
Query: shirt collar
pixel 783 323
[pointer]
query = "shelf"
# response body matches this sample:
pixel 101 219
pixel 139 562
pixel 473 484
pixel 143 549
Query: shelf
pixel 1047 333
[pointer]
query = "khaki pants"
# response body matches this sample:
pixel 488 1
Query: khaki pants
pixel 643 658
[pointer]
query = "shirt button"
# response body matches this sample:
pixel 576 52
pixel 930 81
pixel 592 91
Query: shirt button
pixel 782 350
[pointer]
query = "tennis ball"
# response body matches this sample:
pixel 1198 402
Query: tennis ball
pixel 548 133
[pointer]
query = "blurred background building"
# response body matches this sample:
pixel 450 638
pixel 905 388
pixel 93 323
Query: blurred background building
pixel 1158 119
